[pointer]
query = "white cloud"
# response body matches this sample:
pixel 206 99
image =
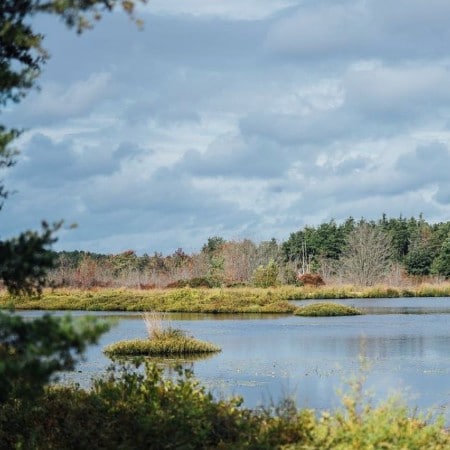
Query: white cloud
pixel 58 101
pixel 231 9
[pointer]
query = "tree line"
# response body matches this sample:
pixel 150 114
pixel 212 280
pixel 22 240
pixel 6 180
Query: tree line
pixel 360 252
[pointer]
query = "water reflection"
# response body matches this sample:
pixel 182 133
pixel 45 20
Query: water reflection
pixel 405 305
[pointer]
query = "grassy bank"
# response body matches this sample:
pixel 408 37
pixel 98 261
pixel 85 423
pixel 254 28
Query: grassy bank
pixel 226 300
pixel 134 410
pixel 170 300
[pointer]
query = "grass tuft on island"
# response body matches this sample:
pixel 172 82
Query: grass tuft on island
pixel 170 346
pixel 162 340
pixel 326 310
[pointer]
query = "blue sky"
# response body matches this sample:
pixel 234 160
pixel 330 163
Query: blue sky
pixel 244 119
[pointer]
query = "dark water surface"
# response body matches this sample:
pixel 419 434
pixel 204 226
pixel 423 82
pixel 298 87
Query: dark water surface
pixel 267 357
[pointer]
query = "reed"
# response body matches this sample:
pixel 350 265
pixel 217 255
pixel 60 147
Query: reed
pixel 154 324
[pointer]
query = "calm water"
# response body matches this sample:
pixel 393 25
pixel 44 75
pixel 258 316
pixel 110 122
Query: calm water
pixel 265 358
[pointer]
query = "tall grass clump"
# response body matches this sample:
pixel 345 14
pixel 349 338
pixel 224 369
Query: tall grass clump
pixel 326 309
pixel 155 325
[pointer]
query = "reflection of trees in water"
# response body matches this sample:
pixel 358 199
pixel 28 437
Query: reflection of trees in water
pixel 402 345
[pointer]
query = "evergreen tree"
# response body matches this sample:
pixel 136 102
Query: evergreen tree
pixel 441 264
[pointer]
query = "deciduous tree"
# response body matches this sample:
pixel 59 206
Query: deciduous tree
pixel 366 259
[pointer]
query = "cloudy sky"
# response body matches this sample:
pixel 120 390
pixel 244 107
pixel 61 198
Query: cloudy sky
pixel 237 118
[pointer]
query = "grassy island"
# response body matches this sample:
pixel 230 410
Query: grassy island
pixel 162 340
pixel 326 309
pixel 174 346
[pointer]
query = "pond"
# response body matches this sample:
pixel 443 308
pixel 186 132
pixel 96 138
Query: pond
pixel 267 357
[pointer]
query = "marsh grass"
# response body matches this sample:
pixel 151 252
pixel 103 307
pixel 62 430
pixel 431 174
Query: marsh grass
pixel 326 309
pixel 162 346
pixel 226 300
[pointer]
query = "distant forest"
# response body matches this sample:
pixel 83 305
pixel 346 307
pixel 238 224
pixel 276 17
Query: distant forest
pixel 390 251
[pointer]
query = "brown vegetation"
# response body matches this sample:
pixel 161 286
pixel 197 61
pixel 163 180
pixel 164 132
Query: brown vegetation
pixel 311 279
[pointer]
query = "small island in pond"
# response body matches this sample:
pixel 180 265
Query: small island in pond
pixel 326 309
pixel 162 340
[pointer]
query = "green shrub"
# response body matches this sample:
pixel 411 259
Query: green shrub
pixel 326 309
pixel 132 409
pixel 266 276
pixel 200 282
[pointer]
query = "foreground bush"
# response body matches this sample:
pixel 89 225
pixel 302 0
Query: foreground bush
pixel 134 410
pixel 388 426
pixel 131 410
pixel 326 309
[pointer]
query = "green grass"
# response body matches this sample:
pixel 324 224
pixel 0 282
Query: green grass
pixel 326 309
pixel 230 300
pixel 226 300
pixel 165 346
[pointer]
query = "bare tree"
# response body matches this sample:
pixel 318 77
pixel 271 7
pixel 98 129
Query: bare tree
pixel 366 259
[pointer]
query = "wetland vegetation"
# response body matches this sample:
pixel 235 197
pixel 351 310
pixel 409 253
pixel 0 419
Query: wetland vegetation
pixel 162 340
pixel 202 300
pixel 131 409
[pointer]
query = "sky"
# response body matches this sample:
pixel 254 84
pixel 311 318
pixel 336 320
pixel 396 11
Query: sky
pixel 238 118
